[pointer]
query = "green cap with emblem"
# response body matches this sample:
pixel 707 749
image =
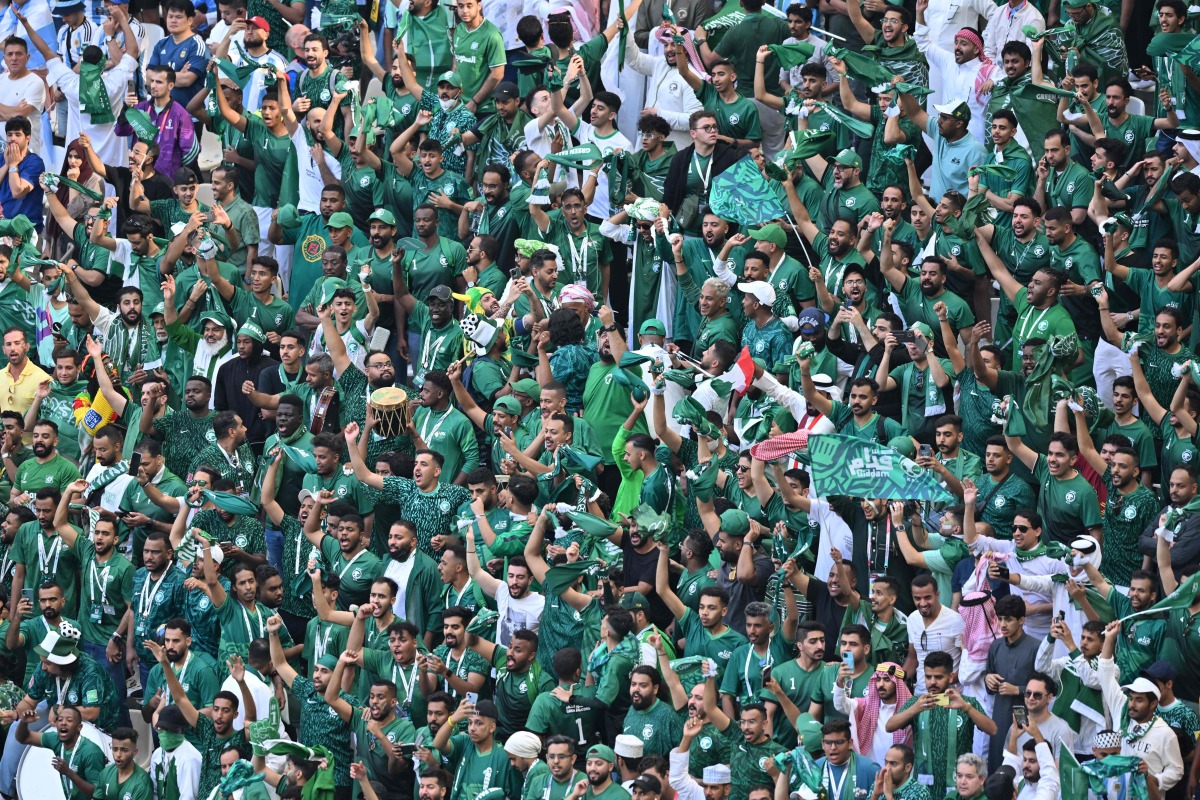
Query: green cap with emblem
pixel 451 77
pixel 384 216
pixel 160 309
pixel 848 158
pixel 635 601
pixel 770 233
pixel 219 317
pixel 329 287
pixel 507 404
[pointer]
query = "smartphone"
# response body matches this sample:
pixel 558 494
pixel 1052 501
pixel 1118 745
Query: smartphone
pixel 905 337
pixel 135 463
pixel 27 594
pixel 925 451
pixel 942 700
pixel 1096 289
pixel 472 698
pixel 1020 716
pixel 514 273
pixel 1062 616
pixel 407 749
pixel 766 674
pixel 1003 570
pixel 848 660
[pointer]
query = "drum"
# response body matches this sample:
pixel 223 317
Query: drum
pixel 324 406
pixel 98 738
pixel 36 778
pixel 392 415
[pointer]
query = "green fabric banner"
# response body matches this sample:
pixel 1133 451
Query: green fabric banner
pixel 743 195
pixel 844 465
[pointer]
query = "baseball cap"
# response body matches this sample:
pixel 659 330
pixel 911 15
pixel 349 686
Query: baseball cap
pixel 1077 3
pixel 735 522
pixel 259 23
pixel 451 77
pixel 959 108
pixel 603 752
pixel 507 404
pixel 1142 686
pixel 304 495
pixel 848 158
pixel 1160 671
pixel 652 327
pixel 340 219
pixel 635 601
pixel 486 708
pixel 506 90
pixel 760 290
pixel 384 216
pixel 999 785
pixel 528 387
pixel 647 783
pixel 811 320
pixel 770 233
pixel 171 720
pixel 441 292
pixel 183 177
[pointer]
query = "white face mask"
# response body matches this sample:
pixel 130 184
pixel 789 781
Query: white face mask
pixel 448 104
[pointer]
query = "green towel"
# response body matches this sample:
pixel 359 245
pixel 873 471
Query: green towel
pixel 93 96
pixel 226 501
pixel 856 126
pixel 792 55
pixel 145 130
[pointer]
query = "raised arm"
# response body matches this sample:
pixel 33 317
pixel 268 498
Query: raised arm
pixel 481 576
pixel 662 583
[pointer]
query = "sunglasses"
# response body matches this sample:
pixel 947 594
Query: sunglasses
pixel 1022 528
pixel 1034 695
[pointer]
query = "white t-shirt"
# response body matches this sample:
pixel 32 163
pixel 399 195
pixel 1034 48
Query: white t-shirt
pixel 256 87
pixel 111 149
pixel 516 614
pixel 188 765
pixel 584 132
pixel 31 89
pixel 944 632
pixel 311 182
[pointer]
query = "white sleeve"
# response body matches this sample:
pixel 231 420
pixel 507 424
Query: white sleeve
pixel 1037 584
pixel 188 772
pixel 1045 661
pixel 1172 769
pixel 618 233
pixel 843 704
pixel 792 400
pixel 1048 782
pixel 1114 699
pixel 685 786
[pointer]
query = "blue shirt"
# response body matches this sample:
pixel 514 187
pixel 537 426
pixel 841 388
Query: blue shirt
pixel 31 168
pixel 189 55
pixel 951 161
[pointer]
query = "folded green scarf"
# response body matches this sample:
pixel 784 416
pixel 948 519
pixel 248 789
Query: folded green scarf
pixel 93 96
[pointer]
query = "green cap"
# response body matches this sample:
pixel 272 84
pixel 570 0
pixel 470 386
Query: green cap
pixel 652 327
pixel 735 522
pixel 959 108
pixel 603 752
pixel 770 233
pixel 923 328
pixel 529 387
pixel 328 661
pixel 848 158
pixel 1078 3
pixel 635 601
pixel 384 216
pixel 340 219
pixel 251 328
pixel 507 404
pixel 160 309
pixel 451 77
pixel 904 446
pixel 218 317
pixel 288 216
pixel 61 646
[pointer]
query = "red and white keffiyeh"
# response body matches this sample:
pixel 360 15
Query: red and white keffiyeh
pixel 866 713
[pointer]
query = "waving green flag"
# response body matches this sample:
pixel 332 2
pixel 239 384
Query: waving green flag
pixel 743 195
pixel 844 465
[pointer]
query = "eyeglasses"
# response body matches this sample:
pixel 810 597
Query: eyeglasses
pixel 645 226
pixel 705 128
pixel 1034 695
pixel 1021 528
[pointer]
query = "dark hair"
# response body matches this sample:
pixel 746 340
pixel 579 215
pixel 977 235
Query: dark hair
pixel 567 662
pixel 648 671
pixel 1010 606
pixel 1069 442
pixel 653 123
pixel 610 100
pixel 1050 684
pixel 620 621
pixel 939 659
pixel 1035 519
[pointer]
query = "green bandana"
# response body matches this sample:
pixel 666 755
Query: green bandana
pixel 169 740
pixel 93 97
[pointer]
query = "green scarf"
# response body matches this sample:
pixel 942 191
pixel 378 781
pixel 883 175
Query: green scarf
pixel 1035 406
pixel 1075 700
pixel 93 96
pixel 1051 549
pixel 849 780
pixel 1132 731
pixel 629 647
pixel 1111 767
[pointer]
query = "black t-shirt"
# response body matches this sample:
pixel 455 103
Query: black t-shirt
pixel 640 567
pixel 831 616
pixel 158 187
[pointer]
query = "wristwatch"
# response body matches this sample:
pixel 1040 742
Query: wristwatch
pixel 610 328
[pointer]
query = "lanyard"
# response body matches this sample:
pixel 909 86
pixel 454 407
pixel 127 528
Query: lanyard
pixel 887 545
pixel 321 647
pixel 180 674
pixel 68 787
pixel 45 558
pixel 429 351
pixel 766 662
pixel 350 563
pixel 6 563
pixel 1027 325
pixel 425 432
pixel 262 625
pixel 458 670
pixel 98 581
pixel 834 785
pixel 461 592
pixel 149 593
pixel 704 176
pixel 398 672
pixel 62 687
pixel 579 257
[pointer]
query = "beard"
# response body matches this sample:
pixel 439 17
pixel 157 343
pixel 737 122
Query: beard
pixel 400 553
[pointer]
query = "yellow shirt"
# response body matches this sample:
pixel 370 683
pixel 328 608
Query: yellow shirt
pixel 18 395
